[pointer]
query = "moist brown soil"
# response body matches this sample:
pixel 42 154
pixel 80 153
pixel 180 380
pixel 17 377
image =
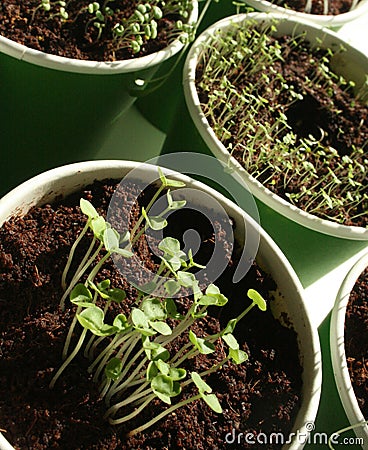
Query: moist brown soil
pixel 261 395
pixel 76 37
pixel 356 340
pixel 335 7
pixel 332 113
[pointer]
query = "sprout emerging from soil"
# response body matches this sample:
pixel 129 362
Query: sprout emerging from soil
pixel 289 126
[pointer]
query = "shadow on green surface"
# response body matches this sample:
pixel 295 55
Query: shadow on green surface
pixel 331 416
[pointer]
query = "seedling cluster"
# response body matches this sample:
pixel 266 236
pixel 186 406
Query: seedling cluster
pixel 109 20
pixel 129 354
pixel 249 102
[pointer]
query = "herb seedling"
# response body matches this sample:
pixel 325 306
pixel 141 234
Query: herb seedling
pixel 313 170
pixel 129 355
pixel 108 21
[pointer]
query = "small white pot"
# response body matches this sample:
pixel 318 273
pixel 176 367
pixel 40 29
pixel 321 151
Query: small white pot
pixel 324 20
pixel 64 64
pixel 352 64
pixel 289 303
pixel 338 356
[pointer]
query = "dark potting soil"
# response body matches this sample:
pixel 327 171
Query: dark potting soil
pixel 334 8
pixel 332 116
pixel 23 21
pixel 356 340
pixel 261 395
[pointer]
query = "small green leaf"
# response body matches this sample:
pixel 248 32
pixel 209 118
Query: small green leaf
pixel 213 292
pixel 123 252
pixel 204 347
pixel 171 309
pixel 81 296
pixel 88 209
pixel 116 295
pixel 121 323
pixel 170 246
pixel 172 287
pixel 169 183
pixel 161 327
pixel 103 285
pixel 231 341
pixel 155 222
pixel 124 237
pixel 238 356
pixel 152 371
pixel 230 327
pixel 154 351
pixel 164 387
pixel 212 402
pixel 113 369
pixel 202 386
pixel 153 309
pixel 257 299
pixel 160 353
pixel 92 319
pixel 187 279
pixel 98 226
pixel 173 261
pixel 163 367
pixel 111 239
pixel 139 319
pixel 177 374
pixel 174 204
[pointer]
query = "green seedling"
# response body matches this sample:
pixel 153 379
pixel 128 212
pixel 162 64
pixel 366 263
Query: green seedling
pixel 261 136
pixel 129 355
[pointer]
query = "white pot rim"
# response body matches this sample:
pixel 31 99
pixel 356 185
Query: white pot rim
pixel 327 20
pixel 45 186
pixel 218 149
pixel 337 344
pixel 64 64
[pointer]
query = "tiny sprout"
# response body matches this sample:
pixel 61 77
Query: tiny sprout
pixel 135 47
pixel 93 7
pixel 157 13
pixel 205 392
pixel 257 299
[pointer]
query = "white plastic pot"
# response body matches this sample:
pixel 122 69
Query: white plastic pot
pixel 352 64
pixel 289 304
pixel 338 356
pixel 50 61
pixel 58 110
pixel 324 20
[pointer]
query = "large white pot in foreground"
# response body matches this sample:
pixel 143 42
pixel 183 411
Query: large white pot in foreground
pixel 289 303
pixel 338 355
pixel 351 64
